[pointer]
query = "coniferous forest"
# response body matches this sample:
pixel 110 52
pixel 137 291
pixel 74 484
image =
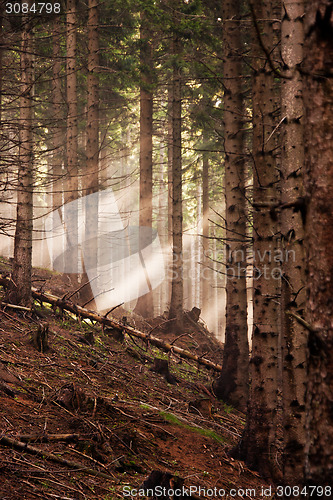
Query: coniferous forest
pixel 166 181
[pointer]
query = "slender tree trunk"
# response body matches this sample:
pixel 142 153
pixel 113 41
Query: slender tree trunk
pixel 258 444
pixel 170 148
pixel 170 181
pixel 20 287
pixel 71 191
pixel 58 132
pixel 205 273
pixel 294 335
pixel 318 101
pixel 145 302
pixel 91 181
pixel 176 304
pixel 232 385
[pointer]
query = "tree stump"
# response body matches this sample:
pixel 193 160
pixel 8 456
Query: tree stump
pixel 161 366
pixel 158 481
pixel 40 338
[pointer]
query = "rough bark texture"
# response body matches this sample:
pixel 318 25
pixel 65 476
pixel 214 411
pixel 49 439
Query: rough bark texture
pixel 176 304
pixel 58 133
pixel 232 386
pixel 206 276
pixel 90 179
pixel 258 445
pixel 145 302
pixel 72 185
pixel 294 335
pixel 20 289
pixel 318 101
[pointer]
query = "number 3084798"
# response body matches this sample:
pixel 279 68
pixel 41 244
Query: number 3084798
pixel 34 8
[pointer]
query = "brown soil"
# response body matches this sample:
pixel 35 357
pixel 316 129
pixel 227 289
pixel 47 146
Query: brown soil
pixel 125 420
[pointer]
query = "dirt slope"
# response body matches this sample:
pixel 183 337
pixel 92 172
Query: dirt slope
pixel 108 418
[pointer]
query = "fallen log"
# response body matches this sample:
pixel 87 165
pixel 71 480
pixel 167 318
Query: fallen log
pixel 79 311
pixel 26 448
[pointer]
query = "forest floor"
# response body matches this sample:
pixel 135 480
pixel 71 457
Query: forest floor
pixel 96 421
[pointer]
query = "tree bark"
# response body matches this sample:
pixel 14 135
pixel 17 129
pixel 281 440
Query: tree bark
pixel 258 444
pixel 232 386
pixel 144 304
pixel 71 191
pixel 176 304
pixel 58 132
pixel 91 178
pixel 318 101
pixel 205 272
pixel 20 289
pixel 294 335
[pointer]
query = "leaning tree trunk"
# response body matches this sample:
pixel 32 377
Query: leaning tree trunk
pixel 293 295
pixel 176 304
pixel 232 385
pixel 318 101
pixel 20 288
pixel 145 301
pixel 258 444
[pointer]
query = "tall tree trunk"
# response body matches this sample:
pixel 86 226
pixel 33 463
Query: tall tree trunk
pixel 232 385
pixel 176 304
pixel 294 335
pixel 58 135
pixel 145 302
pixel 207 276
pixel 91 181
pixel 20 288
pixel 318 101
pixel 71 191
pixel 258 444
pixel 170 149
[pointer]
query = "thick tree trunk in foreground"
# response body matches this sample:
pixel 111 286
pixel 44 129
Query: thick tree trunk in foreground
pixel 20 289
pixel 318 101
pixel 176 305
pixel 258 445
pixel 145 302
pixel 232 386
pixel 294 335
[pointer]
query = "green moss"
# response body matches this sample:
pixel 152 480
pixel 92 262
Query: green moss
pixel 172 419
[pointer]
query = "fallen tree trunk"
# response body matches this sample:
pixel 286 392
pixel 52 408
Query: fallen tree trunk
pixel 66 305
pixel 24 447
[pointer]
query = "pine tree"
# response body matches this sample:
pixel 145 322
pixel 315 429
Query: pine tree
pixel 258 446
pixel 176 304
pixel 293 294
pixel 20 286
pixel 145 302
pixel 318 102
pixel 232 385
